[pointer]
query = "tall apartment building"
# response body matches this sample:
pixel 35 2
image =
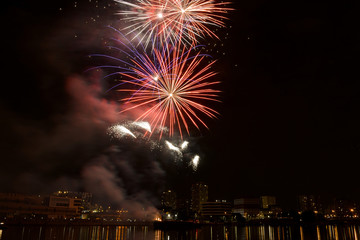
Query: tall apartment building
pixel 309 203
pixel 199 195
pixel 168 200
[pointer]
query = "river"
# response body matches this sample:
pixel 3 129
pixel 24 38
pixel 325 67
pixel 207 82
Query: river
pixel 208 232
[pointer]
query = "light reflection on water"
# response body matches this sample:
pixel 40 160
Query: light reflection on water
pixel 215 232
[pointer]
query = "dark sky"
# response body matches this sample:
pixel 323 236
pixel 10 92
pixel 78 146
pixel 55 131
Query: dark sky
pixel 289 122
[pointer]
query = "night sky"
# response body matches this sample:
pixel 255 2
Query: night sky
pixel 289 119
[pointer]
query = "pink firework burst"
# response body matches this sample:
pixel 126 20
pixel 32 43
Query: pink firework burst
pixel 171 21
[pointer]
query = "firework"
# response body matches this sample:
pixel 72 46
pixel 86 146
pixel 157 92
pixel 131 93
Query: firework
pixel 172 87
pixel 168 89
pixel 163 21
pixel 184 145
pixel 172 147
pixel 195 162
pixel 119 131
pixel 144 125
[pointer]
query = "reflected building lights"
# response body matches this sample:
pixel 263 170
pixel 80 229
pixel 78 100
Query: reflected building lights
pixel 278 232
pixel 107 232
pixel 355 233
pixel 290 233
pixel 131 232
pixel 318 233
pixel 248 234
pixel 262 232
pixel 158 235
pixel 336 233
pixel 271 233
pixel 283 233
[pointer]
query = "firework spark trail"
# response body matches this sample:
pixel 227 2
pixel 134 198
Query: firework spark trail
pixel 172 21
pixel 195 161
pixel 172 147
pixel 184 145
pixel 119 131
pixel 144 125
pixel 171 87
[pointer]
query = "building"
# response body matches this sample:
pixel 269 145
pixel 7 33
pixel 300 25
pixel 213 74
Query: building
pixel 168 200
pixel 220 210
pixel 267 201
pixel 309 203
pixel 345 208
pixel 28 205
pixel 65 204
pixel 199 194
pixel 85 197
pixel 249 208
pixel 183 208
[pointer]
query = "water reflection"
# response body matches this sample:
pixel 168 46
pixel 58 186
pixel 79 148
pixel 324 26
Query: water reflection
pixel 211 232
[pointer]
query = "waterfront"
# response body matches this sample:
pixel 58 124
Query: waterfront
pixel 207 232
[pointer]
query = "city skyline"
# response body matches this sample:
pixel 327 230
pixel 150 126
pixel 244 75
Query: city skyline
pixel 63 204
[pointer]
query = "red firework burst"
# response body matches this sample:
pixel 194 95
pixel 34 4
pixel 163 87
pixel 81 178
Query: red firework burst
pixel 172 86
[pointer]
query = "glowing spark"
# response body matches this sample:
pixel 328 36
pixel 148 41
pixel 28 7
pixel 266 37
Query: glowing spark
pixel 172 147
pixel 184 145
pixel 118 131
pixel 160 15
pixel 126 131
pixel 195 161
pixel 144 125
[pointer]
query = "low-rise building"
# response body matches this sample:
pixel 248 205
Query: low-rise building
pixel 18 205
pixel 249 208
pixel 218 210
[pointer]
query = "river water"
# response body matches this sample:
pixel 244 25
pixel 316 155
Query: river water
pixel 214 232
